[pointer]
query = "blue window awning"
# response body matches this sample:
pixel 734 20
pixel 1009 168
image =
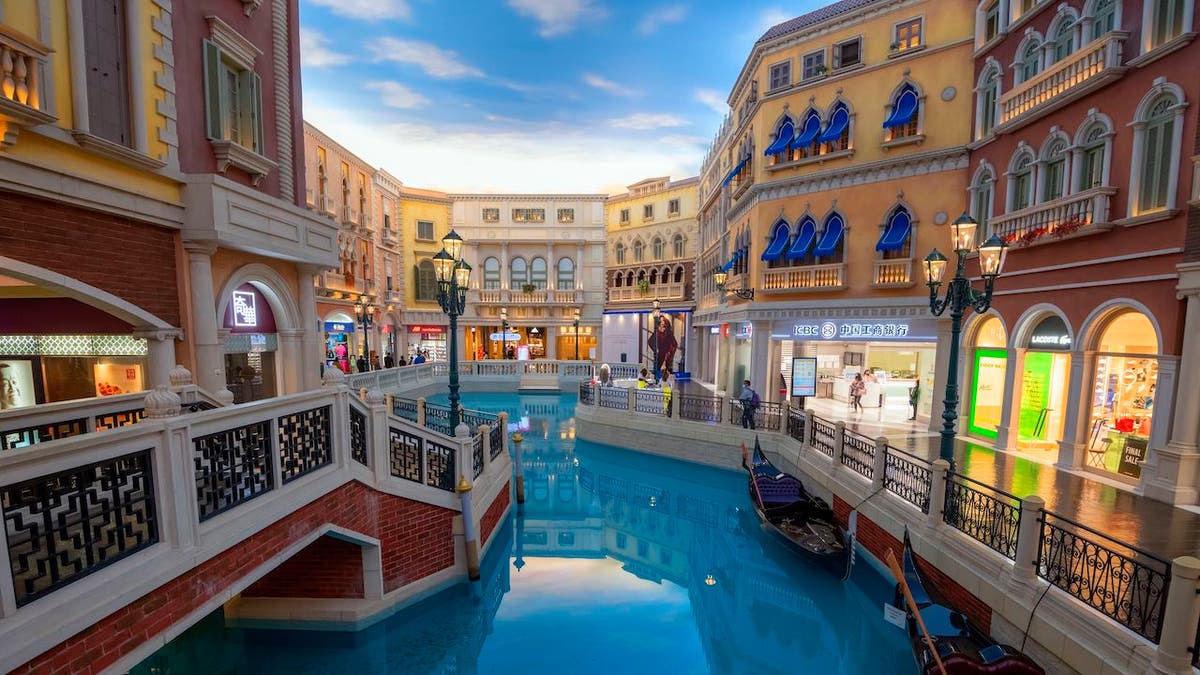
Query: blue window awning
pixel 903 109
pixel 839 121
pixel 734 171
pixel 812 127
pixel 804 239
pixel 736 255
pixel 896 232
pixel 831 236
pixel 779 241
pixel 782 139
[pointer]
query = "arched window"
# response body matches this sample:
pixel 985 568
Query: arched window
pixel 1104 17
pixel 1064 39
pixel 619 253
pixel 426 281
pixel 988 96
pixel 491 274
pixel 785 131
pixel 518 273
pixel 639 251
pixel 990 23
pixel 903 119
pixel 658 248
pixel 777 242
pixel 895 240
pixel 629 278
pixel 1054 176
pixel 806 143
pixel 830 246
pixel 1020 183
pixel 982 198
pixel 653 277
pixel 1158 154
pixel 679 274
pixel 1093 154
pixel 537 272
pixel 837 132
pixel 1030 60
pixel 1168 19
pixel 566 275
pixel 677 246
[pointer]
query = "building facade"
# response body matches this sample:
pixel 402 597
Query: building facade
pixel 425 219
pixel 838 168
pixel 652 244
pixel 1079 161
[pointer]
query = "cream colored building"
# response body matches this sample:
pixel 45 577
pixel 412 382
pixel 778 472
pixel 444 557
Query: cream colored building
pixel 425 219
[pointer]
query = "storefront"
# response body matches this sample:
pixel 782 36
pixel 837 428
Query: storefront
pixel 893 356
pixel 1044 382
pixel 429 340
pixel 48 368
pixel 1122 396
pixel 250 346
pixel 988 366
pixel 632 337
pixel 340 341
pixel 573 345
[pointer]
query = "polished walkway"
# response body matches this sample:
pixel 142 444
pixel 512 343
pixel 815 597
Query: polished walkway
pixel 1089 499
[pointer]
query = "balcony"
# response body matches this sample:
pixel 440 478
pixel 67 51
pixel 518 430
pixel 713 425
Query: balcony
pixel 391 237
pixel 496 296
pixel 349 216
pixel 893 273
pixel 635 294
pixel 1089 68
pixel 1072 216
pixel 24 66
pixel 811 278
pixel 324 205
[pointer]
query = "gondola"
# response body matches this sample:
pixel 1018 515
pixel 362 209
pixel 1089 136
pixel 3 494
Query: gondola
pixel 802 521
pixel 962 647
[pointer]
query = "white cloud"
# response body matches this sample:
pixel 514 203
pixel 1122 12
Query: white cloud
pixel 660 17
pixel 558 17
pixel 396 95
pixel 711 98
pixel 315 52
pixel 607 85
pixel 768 18
pixel 581 158
pixel 646 121
pixel 369 10
pixel 435 61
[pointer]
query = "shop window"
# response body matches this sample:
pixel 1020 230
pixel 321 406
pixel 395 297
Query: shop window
pixel 989 366
pixel 1122 395
pixel 1044 385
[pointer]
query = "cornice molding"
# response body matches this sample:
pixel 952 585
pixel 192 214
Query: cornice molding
pixel 525 197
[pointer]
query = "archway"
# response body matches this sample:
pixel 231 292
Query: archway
pixel 341 340
pixel 261 337
pixel 1046 336
pixel 988 366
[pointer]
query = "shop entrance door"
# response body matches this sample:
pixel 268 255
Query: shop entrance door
pixel 1043 400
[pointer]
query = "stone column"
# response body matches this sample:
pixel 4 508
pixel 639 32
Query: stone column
pixel 761 369
pixel 210 364
pixel 312 353
pixel 1173 472
pixel 291 362
pixel 1179 618
pixel 551 343
pixel 1006 433
pixel 1077 415
pixel 161 356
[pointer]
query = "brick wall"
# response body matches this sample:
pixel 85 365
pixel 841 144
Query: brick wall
pixel 327 568
pixel 878 541
pixel 492 516
pixel 133 261
pixel 416 541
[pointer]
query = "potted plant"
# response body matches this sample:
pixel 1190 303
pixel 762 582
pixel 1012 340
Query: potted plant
pixel 821 69
pixel 643 286
pixel 528 288
pixel 894 46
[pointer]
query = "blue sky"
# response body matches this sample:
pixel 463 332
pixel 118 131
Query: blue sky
pixel 527 95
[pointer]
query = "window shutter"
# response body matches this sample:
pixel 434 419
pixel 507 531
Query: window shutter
pixel 256 114
pixel 212 90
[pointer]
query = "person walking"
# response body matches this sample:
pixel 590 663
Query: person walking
pixel 361 363
pixel 914 396
pixel 857 388
pixel 749 400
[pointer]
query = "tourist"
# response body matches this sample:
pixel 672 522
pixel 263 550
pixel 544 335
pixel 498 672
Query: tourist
pixel 419 358
pixel 857 389
pixel 402 362
pixel 914 396
pixel 389 362
pixel 750 400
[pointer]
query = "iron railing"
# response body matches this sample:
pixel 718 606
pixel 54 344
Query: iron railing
pixel 437 418
pixel 767 416
pixel 983 513
pixel 405 409
pixel 496 440
pixel 475 418
pixel 858 453
pixel 585 394
pixel 1121 581
pixel 908 477
pixel 614 397
pixel 699 408
pixel 823 436
pixel 651 401
pixel 477 456
pixel 795 424
pixel 358 437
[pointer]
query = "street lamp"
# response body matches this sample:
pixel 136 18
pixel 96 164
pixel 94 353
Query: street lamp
pixel 576 323
pixel 365 311
pixel 959 296
pixel 503 332
pixel 453 275
pixel 654 334
pixel 719 277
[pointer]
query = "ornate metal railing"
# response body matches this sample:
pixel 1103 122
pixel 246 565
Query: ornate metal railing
pixel 358 437
pixel 437 418
pixel 858 453
pixel 699 408
pixel 585 394
pixel 614 397
pixel 406 455
pixel 477 456
pixel 908 477
pixel 63 526
pixel 40 433
pixel 768 416
pixel 496 439
pixel 983 513
pixel 440 462
pixel 405 408
pixel 795 424
pixel 651 401
pixel 474 418
pixel 823 436
pixel 232 467
pixel 1121 581
pixel 305 444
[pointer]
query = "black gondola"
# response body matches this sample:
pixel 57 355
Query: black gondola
pixel 962 646
pixel 802 521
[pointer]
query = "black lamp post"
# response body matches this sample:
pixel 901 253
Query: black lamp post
pixel 503 332
pixel 453 275
pixel 576 324
pixel 959 296
pixel 719 277
pixel 365 311
pixel 654 314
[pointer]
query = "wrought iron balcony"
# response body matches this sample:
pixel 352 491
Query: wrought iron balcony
pixel 1075 215
pixel 809 278
pixel 893 273
pixel 1093 65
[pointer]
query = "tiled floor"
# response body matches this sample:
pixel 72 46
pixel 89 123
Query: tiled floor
pixel 1162 529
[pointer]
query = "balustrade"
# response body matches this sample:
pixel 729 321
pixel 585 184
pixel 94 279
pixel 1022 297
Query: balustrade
pixel 858 453
pixel 908 477
pixel 893 273
pixel 768 416
pixel 1076 74
pixel 22 72
pixel 823 436
pixel 983 513
pixel 699 408
pixel 805 278
pixel 1075 215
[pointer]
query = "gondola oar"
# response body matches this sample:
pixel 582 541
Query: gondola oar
pixel 916 611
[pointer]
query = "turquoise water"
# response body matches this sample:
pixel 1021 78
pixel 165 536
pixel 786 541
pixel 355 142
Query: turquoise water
pixel 620 562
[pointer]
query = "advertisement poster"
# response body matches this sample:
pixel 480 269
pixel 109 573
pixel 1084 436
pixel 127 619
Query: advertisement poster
pixel 804 376
pixel 1132 456
pixel 16 384
pixel 1035 388
pixel 117 378
pixel 662 344
pixel 988 400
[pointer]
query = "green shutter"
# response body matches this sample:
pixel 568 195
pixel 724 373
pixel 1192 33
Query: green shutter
pixel 256 114
pixel 212 90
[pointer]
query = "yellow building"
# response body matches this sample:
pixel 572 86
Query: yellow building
pixel 843 155
pixel 424 220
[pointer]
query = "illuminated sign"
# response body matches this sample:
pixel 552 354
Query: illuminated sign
pixel 1050 334
pixel 338 327
pixel 913 330
pixel 744 331
pixel 244 314
pixel 804 376
pixel 426 329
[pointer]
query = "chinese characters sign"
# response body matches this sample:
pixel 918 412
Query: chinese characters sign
pixel 913 330
pixel 244 313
